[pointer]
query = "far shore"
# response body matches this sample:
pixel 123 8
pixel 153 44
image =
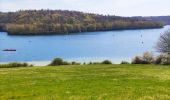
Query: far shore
pixel 80 60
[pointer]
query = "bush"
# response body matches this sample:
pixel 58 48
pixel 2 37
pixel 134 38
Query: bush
pixel 103 62
pixel 84 63
pixel 75 63
pixel 137 60
pixel 90 63
pixel 96 63
pixel 66 63
pixel 59 61
pixel 158 59
pixel 124 62
pixel 163 59
pixel 15 64
pixel 148 58
pixel 106 62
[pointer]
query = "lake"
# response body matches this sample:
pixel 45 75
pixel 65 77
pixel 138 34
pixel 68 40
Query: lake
pixel 82 47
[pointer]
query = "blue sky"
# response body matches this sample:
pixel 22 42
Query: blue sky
pixel 112 7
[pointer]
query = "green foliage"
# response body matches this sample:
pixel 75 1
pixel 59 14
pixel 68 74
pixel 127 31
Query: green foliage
pixel 75 63
pixel 15 64
pixel 106 62
pixel 90 63
pixel 98 63
pixel 37 22
pixel 94 63
pixel 59 61
pixel 124 62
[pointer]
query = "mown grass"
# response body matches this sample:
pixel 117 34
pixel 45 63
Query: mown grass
pixel 86 82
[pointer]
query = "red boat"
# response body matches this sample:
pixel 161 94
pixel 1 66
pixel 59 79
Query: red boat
pixel 9 50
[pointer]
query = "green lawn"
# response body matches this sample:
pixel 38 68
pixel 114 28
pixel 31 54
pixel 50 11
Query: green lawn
pixel 86 82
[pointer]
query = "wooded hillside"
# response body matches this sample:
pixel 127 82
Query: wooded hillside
pixel 38 22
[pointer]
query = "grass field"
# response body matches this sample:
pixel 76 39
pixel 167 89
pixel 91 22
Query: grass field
pixel 86 82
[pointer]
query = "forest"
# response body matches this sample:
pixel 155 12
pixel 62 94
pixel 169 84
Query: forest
pixel 49 22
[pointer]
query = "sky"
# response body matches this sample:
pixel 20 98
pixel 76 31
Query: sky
pixel 111 7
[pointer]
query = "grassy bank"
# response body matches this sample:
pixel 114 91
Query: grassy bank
pixel 86 82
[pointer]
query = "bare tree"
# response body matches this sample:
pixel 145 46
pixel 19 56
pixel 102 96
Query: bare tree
pixel 163 44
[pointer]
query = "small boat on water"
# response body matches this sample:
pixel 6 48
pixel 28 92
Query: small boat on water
pixel 9 50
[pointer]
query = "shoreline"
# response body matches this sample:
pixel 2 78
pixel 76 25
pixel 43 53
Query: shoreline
pixel 35 63
pixel 79 60
pixel 70 33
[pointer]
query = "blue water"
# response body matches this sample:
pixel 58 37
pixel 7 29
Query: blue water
pixel 83 47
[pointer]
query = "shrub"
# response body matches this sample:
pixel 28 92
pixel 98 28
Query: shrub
pixel 90 63
pixel 137 60
pixel 158 59
pixel 163 59
pixel 75 63
pixel 106 62
pixel 103 62
pixel 124 62
pixel 15 64
pixel 66 63
pixel 148 58
pixel 57 61
pixel 95 63
pixel 84 63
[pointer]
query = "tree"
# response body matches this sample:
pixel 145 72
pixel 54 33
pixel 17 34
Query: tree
pixel 163 44
pixel 148 58
pixel 163 59
pixel 36 22
pixel 56 62
pixel 106 62
pixel 137 60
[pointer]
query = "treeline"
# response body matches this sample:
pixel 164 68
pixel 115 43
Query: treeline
pixel 36 22
pixel 148 58
pixel 60 61
pixel 161 19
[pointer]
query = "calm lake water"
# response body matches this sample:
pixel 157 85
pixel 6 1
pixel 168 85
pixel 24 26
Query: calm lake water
pixel 82 47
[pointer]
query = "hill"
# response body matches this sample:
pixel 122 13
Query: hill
pixel 86 82
pixel 37 22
